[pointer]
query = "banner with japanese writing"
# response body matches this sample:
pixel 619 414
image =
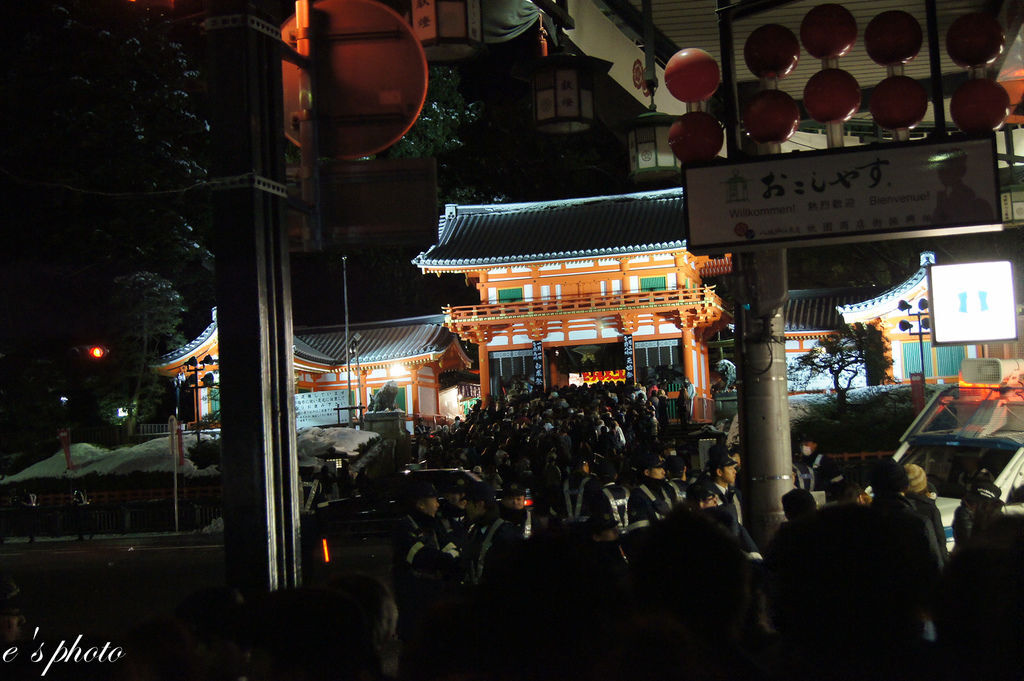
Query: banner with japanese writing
pixel 884 191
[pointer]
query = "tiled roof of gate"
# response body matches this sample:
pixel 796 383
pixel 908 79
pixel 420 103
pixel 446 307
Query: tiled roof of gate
pixel 815 309
pixel 380 341
pixel 601 226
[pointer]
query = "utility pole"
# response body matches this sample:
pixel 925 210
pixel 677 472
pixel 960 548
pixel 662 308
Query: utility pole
pixel 260 477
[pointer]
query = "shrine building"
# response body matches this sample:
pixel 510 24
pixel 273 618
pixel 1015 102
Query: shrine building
pixel 412 352
pixel 580 290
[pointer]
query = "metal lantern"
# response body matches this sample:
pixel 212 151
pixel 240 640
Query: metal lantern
pixel 651 159
pixel 563 92
pixel 449 30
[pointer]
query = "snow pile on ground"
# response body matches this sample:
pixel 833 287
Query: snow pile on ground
pixel 155 456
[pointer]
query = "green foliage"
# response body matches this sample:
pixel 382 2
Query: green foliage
pixel 842 356
pixel 436 131
pixel 205 453
pixel 872 420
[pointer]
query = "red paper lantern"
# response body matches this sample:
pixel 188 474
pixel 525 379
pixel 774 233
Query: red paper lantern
pixel 832 95
pixel 893 37
pixel 696 136
pixel 828 31
pixel 771 51
pixel 899 102
pixel 771 116
pixel 979 105
pixel 975 39
pixel 692 75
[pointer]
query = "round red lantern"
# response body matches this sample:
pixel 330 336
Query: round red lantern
pixel 771 51
pixel 898 102
pixel 975 39
pixel 696 136
pixel 771 116
pixel 893 37
pixel 828 31
pixel 979 105
pixel 692 75
pixel 831 95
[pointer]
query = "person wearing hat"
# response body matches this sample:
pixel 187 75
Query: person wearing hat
pixel 452 510
pixel 577 489
pixel 700 496
pixel 889 483
pixel 513 508
pixel 488 535
pixel 426 563
pixel 675 475
pixel 652 498
pixel 979 507
pixel 608 496
pixel 922 500
pixel 722 472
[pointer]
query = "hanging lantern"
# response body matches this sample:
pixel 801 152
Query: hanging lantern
pixel 563 92
pixel 771 51
pixel 651 160
pixel 832 95
pixel 449 30
pixel 771 116
pixel 692 75
pixel 893 37
pixel 828 31
pixel 979 106
pixel 696 136
pixel 898 102
pixel 975 39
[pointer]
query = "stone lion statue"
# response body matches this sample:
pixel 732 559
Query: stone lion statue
pixel 384 399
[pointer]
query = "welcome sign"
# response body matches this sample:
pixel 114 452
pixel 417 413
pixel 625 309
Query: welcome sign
pixel 885 191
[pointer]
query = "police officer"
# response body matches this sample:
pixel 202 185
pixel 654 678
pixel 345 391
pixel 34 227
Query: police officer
pixel 488 535
pixel 576 490
pixel 652 498
pixel 426 563
pixel 609 497
pixel 675 468
pixel 514 510
pixel 826 473
pixel 722 471
pixel 452 510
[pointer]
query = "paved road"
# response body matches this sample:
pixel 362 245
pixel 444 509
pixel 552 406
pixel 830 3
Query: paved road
pixel 105 586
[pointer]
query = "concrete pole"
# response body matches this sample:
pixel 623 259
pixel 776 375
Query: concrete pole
pixel 767 466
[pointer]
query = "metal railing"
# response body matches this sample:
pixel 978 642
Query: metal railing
pixel 94 519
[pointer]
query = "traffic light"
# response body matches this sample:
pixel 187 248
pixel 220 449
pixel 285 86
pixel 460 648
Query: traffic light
pixel 93 352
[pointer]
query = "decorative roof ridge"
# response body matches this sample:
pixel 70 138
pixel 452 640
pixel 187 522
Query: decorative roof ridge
pixel 492 208
pixel 422 320
pixel 892 292
pixel 184 350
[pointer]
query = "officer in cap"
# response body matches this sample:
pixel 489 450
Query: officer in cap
pixel 652 498
pixel 722 472
pixel 452 512
pixel 488 535
pixel 426 563
pixel 514 509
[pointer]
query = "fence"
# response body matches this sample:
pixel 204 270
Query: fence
pixel 152 516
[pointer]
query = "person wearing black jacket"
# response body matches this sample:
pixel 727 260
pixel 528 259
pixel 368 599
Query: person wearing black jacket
pixel 426 564
pixel 488 536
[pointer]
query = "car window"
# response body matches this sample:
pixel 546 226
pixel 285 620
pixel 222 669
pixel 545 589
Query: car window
pixel 949 468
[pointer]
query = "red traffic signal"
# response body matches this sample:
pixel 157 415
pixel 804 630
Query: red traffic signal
pixel 93 352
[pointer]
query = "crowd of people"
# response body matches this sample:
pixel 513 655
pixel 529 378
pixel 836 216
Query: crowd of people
pixel 586 548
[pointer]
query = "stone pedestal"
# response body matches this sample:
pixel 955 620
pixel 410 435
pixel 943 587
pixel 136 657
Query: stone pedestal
pixel 390 425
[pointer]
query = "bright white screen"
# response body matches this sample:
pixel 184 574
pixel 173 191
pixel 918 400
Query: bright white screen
pixel 972 302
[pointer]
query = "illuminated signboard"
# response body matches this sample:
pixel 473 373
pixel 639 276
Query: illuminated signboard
pixel 836 196
pixel 972 302
pixel 589 377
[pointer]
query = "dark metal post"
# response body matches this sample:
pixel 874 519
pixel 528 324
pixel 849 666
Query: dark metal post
pixel 260 481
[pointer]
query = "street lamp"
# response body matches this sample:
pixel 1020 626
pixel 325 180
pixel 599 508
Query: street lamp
pixel 354 348
pixel 923 324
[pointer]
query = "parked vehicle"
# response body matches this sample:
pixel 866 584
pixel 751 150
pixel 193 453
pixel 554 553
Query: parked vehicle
pixel 976 424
